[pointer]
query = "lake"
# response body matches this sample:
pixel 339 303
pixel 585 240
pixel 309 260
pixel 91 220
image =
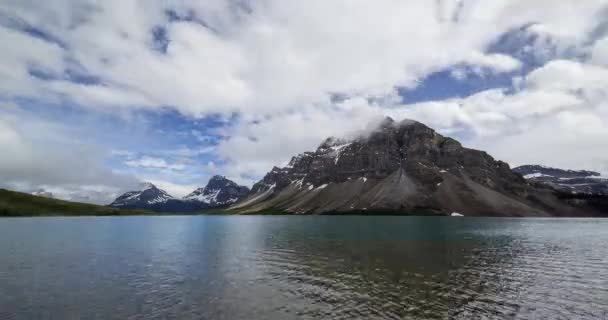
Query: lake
pixel 303 267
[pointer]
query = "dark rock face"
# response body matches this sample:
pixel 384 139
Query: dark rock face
pixel 219 193
pixel 277 178
pixel 403 167
pixel 568 181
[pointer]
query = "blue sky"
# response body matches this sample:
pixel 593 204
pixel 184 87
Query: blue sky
pixel 96 97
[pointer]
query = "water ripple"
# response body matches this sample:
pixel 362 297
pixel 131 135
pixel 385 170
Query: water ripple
pixel 303 268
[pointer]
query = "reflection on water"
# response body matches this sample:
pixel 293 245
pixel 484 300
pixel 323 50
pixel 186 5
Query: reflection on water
pixel 303 268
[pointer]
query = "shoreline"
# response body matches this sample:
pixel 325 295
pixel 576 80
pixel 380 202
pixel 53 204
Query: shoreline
pixel 294 215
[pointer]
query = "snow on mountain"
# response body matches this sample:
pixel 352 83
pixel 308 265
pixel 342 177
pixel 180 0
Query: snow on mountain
pixel 146 195
pixel 219 193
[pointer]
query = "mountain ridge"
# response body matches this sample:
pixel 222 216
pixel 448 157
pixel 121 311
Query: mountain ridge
pixel 400 167
pixel 219 192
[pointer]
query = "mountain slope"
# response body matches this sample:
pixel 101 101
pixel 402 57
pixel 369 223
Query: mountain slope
pixel 218 193
pixel 15 204
pixel 569 181
pixel 400 168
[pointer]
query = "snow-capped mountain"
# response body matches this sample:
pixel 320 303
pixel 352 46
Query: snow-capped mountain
pixel 148 197
pixel 572 181
pixel 219 192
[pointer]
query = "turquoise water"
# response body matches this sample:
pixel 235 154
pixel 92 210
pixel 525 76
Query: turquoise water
pixel 303 267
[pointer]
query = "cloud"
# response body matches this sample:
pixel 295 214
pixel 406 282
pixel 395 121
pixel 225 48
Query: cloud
pixel 495 62
pixel 581 79
pixel 123 153
pixel 254 147
pixel 555 117
pixel 38 154
pixel 291 74
pixel 599 52
pixel 266 56
pixel 153 163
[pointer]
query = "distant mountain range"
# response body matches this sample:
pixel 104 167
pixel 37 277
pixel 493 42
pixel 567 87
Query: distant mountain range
pixel 399 168
pixel 218 193
pixel 403 168
pixel 571 181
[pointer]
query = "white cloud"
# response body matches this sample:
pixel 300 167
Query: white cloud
pixel 154 163
pixel 19 52
pixel 599 52
pixel 273 56
pixel 495 62
pixel 557 117
pixel 568 140
pixel 276 56
pixel 123 153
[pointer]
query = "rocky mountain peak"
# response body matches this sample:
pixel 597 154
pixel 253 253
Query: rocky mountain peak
pixel 218 181
pixel 218 192
pixel 392 145
pixel 146 195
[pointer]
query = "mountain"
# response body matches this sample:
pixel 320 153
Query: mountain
pixel 149 197
pixel 400 168
pixel 218 193
pixel 16 204
pixel 570 181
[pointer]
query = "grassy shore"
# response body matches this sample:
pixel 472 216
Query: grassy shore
pixel 18 204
